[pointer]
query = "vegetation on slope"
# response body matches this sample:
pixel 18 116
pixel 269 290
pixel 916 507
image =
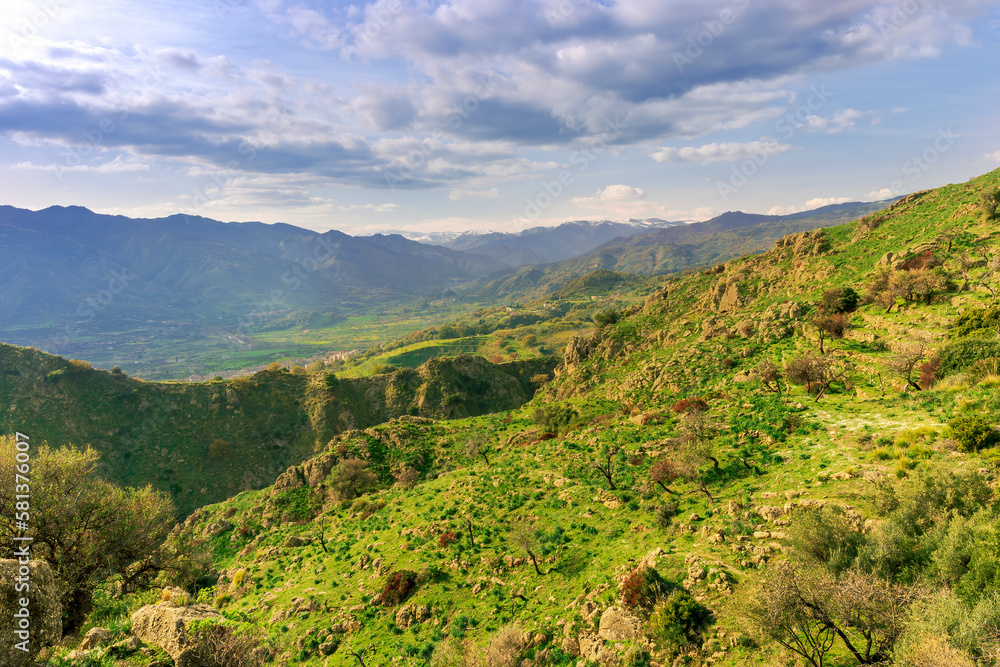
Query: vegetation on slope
pixel 750 467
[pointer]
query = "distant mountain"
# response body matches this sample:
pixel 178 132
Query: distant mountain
pixel 540 245
pixel 670 249
pixel 62 266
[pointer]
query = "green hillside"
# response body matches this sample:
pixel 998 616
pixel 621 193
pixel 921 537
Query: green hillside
pixel 206 441
pixel 668 250
pixel 706 480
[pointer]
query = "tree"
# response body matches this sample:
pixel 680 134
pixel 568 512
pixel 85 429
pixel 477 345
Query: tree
pixel 524 537
pixel 907 357
pixel 989 201
pixel 665 471
pixel 769 375
pixel 807 609
pixel 352 478
pixel 606 461
pixel 86 528
pixel 830 326
pixel 476 446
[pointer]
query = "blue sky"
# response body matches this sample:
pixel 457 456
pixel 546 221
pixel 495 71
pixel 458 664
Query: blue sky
pixel 490 114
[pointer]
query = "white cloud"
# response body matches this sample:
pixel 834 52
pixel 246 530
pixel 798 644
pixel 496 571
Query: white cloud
pixel 118 165
pixel 993 156
pixel 814 203
pixel 492 193
pixel 878 194
pixel 621 193
pixel 724 152
pixel 838 122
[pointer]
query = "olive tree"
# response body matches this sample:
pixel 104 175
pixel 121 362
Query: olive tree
pixel 86 528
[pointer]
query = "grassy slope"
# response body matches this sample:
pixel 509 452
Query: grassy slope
pixel 160 433
pixel 677 345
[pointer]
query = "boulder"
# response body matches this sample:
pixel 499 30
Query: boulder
pixel 165 625
pixel 618 625
pixel 296 541
pixel 43 612
pixel 94 638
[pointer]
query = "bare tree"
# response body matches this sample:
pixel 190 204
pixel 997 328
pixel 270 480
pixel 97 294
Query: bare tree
pixel 769 375
pixel 606 461
pixel 476 446
pixel 907 357
pixel 525 538
pixel 830 326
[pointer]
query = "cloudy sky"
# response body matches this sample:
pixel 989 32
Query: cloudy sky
pixel 503 114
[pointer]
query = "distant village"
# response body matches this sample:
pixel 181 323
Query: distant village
pixel 315 362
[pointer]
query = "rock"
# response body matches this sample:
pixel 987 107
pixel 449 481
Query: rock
pixel 165 625
pixel 590 647
pixel 94 638
pixel 770 512
pixel 44 612
pixel 589 610
pixel 571 646
pixel 217 528
pixel 618 625
pixel 328 647
pixel 296 541
pixel 125 647
pixel 694 517
pixel 404 617
pixel 888 259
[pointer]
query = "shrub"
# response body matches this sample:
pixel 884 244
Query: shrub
pixel 407 478
pixel 330 381
pixel 679 619
pixel 352 478
pixel 664 472
pixel 840 300
pixel 505 647
pixel 976 322
pixel 641 588
pixel 665 513
pixel 692 405
pixel 222 645
pixel 218 449
pixel 555 418
pixel 960 354
pixel 447 539
pixel 973 432
pixel 79 364
pixel 929 372
pixel 989 201
pixel 398 586
pixel 606 318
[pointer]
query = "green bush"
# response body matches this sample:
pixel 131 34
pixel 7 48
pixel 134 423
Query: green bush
pixel 976 322
pixel 678 619
pixel 642 587
pixel 989 201
pixel 330 381
pixel 555 418
pixel 606 318
pixel 961 354
pixel 973 432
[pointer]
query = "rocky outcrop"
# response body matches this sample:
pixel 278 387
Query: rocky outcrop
pixel 166 626
pixel 618 625
pixel 35 626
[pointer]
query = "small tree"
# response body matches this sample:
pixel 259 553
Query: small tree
pixel 769 375
pixel 87 529
pixel 665 471
pixel 989 201
pixel 524 537
pixel 352 478
pixel 605 463
pixel 830 326
pixel 906 359
pixel 476 446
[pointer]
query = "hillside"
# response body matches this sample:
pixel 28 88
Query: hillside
pixel 705 481
pixel 207 441
pixel 669 250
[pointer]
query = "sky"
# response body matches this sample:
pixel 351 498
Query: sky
pixel 423 115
